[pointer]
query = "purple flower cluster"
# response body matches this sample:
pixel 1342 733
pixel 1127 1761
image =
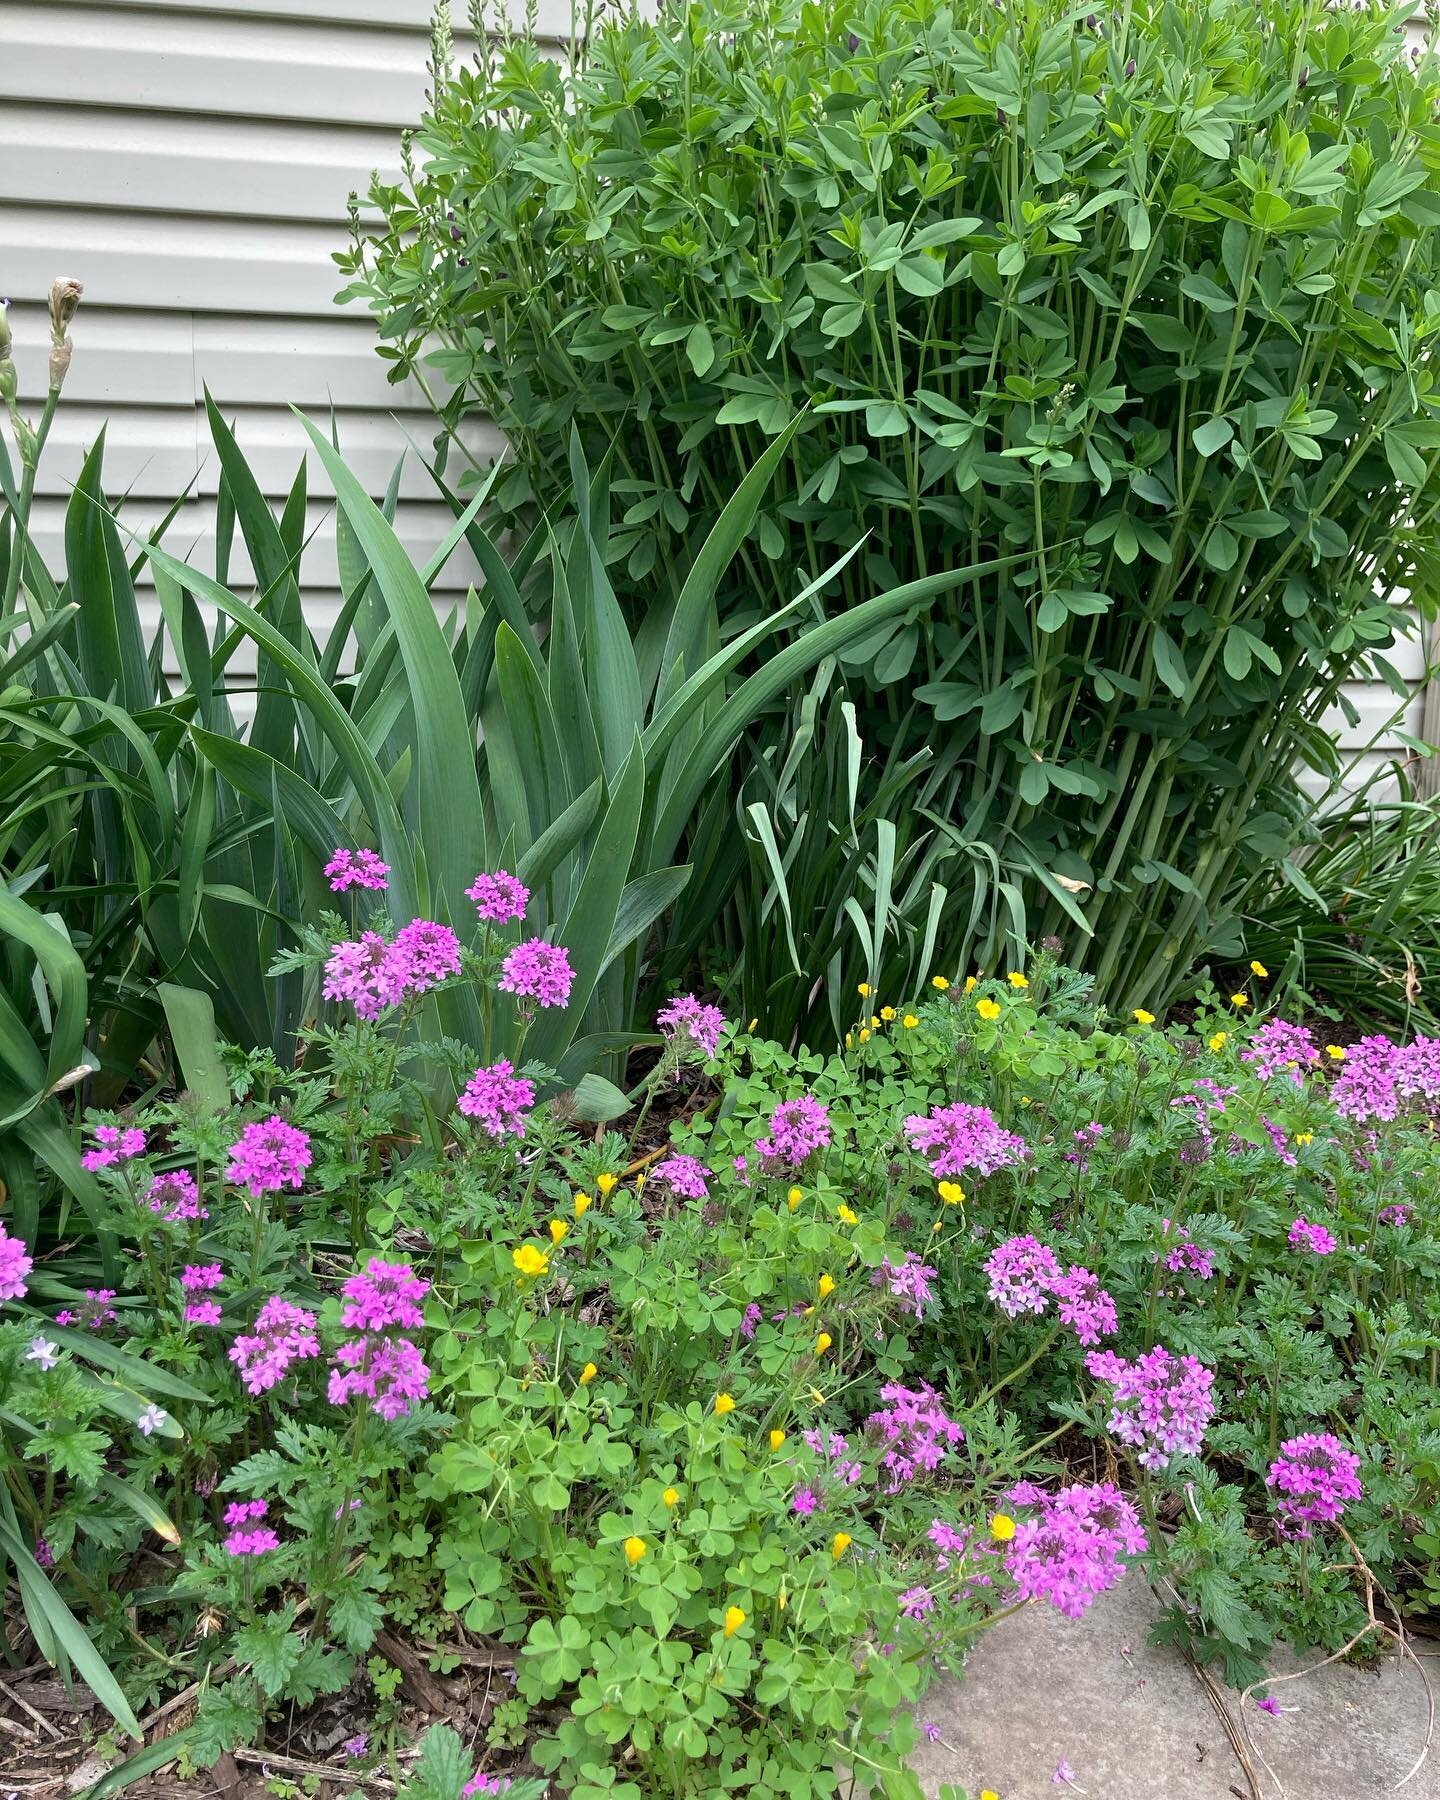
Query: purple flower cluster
pixel 538 971
pixel 685 1175
pixel 1378 1075
pixel 1315 1238
pixel 1068 1552
pixel 959 1138
pixel 1280 1048
pixel 1398 1214
pixel 908 1281
pixel 374 975
pixel 381 1364
pixel 916 1431
pixel 15 1264
pixel 1086 1138
pixel 283 1333
pixel 916 1603
pixel 1313 1477
pixel 269 1156
pixel 113 1145
pixel 753 1314
pixel 247 1536
pixel 1084 1305
pixel 176 1198
pixel 798 1128
pixel 1185 1257
pixel 1021 1272
pixel 428 953
pixel 498 1099
pixel 499 898
pixel 356 869
pixel 834 1447
pixel 202 1278
pixel 95 1311
pixel 686 1020
pixel 480 1783
pixel 1162 1403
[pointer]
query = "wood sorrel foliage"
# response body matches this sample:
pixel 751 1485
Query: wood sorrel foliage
pixel 1147 294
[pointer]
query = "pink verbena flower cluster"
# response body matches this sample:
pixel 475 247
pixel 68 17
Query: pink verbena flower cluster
pixel 381 1365
pixel 753 1314
pixel 269 1155
pixel 374 974
pixel 113 1145
pixel 538 971
pixel 498 1099
pixel 959 1138
pixel 247 1536
pixel 1162 1403
pixel 499 898
pixel 1086 1138
pixel 1279 1048
pixel 201 1278
pixel 909 1281
pixel 798 1128
pixel 1315 1238
pixel 834 1448
pixel 1068 1552
pixel 685 1175
pixel 356 869
pixel 1313 1477
pixel 916 1431
pixel 1185 1257
pixel 1025 1276
pixel 176 1198
pixel 688 1021
pixel 480 1783
pixel 283 1334
pixel 1378 1075
pixel 95 1311
pixel 15 1264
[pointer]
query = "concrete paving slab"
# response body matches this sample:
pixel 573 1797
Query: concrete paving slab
pixel 1134 1723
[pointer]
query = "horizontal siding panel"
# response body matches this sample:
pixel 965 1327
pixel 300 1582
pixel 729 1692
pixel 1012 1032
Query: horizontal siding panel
pixel 159 162
pixel 120 358
pixel 554 17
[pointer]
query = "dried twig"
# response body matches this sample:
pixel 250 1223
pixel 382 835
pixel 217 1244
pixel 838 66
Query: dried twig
pixel 25 1707
pixel 267 1759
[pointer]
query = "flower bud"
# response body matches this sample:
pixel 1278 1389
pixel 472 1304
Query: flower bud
pixel 65 294
pixel 59 364
pixel 1130 68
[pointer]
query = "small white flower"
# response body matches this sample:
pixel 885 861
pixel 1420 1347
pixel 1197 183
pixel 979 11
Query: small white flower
pixel 42 1352
pixel 151 1419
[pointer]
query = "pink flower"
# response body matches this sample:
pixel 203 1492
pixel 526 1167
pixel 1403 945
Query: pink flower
pixel 1021 1272
pixel 804 1503
pixel 269 1156
pixel 283 1334
pixel 1315 1238
pixel 201 1278
pixel 538 971
pixel 916 1603
pixel 499 1099
pixel 1279 1048
pixel 246 1512
pixel 388 1371
pixel 1162 1402
pixel 1185 1257
pixel 1269 1705
pixel 202 1312
pixel 908 1280
pixel 687 1020
pixel 916 1431
pixel 798 1128
pixel 484 1784
pixel 386 1294
pixel 499 898
pixel 356 869
pixel 1084 1305
pixel 367 973
pixel 1314 1476
pixel 425 954
pixel 685 1175
pixel 959 1138
pixel 113 1146
pixel 251 1543
pixel 1366 1089
pixel 95 1312
pixel 15 1264
pixel 1069 1552
pixel 1398 1214
pixel 176 1198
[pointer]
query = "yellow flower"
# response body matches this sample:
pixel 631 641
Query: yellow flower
pixel 1239 1000
pixel 823 1343
pixel 724 1403
pixel 782 1599
pixel 1336 1052
pixel 639 1181
pixel 1002 1528
pixel 817 1396
pixel 751 1026
pixel 887 1013
pixel 1219 1039
pixel 1304 1137
pixel 865 1035
pixel 863 990
pixel 874 1021
pixel 840 1543
pixel 935 1227
pixel 583 1203
pixel 671 1497
pixel 849 1040
pixel 588 1374
pixel 777 1438
pixel 558 1228
pixel 988 1794
pixel 909 1021
pixel 635 1548
pixel 734 1619
pixel 988 1009
pixel 607 1183
pixel 971 983
pixel 939 983
pixel 1259 969
pixel 1017 981
pixel 794 1197
pixel 845 1216
pixel 826 1287
pixel 951 1193
pixel 530 1261
pixel 1141 1017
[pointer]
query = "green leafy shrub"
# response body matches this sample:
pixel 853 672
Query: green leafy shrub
pixel 1148 298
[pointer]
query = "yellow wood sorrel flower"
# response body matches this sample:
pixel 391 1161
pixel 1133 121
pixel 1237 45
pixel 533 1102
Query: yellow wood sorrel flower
pixel 558 1228
pixel 607 1183
pixel 909 1021
pixel 583 1203
pixel 840 1543
pixel 863 990
pixel 671 1497
pixel 724 1403
pixel 865 1035
pixel 793 1198
pixel 1141 1017
pixel 1258 968
pixel 1017 981
pixel 1335 1052
pixel 823 1343
pixel 588 1374
pixel 1239 1000
pixel 635 1548
pixel 826 1287
pixel 988 1009
pixel 777 1438
pixel 971 983
pixel 988 1794
pixel 1002 1528
pixel 529 1260
pixel 951 1193
pixel 734 1619
pixel 939 983
pixel 887 1013
pixel 1219 1039
pixel 845 1216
